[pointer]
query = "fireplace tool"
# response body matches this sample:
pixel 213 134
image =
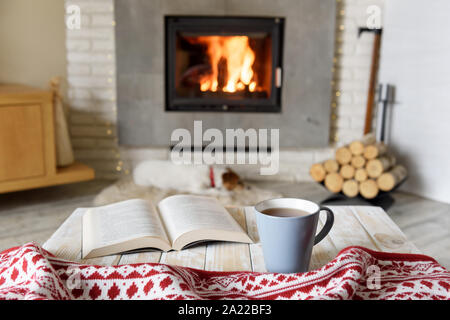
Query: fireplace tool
pixel 385 97
pixel 373 75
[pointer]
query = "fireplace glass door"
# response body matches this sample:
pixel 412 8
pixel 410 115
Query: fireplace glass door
pixel 223 64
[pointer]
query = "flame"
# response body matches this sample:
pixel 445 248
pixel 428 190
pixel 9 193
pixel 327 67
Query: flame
pixel 239 58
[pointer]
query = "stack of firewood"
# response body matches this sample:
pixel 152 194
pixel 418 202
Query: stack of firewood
pixel 363 167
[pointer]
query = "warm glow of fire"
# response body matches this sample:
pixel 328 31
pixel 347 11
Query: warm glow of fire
pixel 236 54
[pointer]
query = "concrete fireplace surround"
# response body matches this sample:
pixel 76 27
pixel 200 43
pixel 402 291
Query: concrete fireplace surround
pixel 95 104
pixel 308 60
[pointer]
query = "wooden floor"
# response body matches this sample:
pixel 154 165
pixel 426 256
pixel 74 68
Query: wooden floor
pixel 34 215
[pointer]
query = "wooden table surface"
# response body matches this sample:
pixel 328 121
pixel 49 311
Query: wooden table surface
pixel 365 226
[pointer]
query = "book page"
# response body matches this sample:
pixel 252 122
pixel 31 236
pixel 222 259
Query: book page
pixel 186 213
pixel 119 222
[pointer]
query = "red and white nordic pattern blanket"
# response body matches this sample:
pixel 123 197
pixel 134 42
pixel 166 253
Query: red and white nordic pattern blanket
pixel 30 272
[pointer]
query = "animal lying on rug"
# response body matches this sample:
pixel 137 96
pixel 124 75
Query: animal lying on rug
pixel 158 179
pixel 188 178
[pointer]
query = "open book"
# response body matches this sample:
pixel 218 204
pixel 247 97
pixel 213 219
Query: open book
pixel 176 222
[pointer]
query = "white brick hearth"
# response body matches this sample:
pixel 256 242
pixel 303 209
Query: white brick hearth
pixel 92 91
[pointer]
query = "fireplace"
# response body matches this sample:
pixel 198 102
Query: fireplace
pixel 225 64
pixel 156 96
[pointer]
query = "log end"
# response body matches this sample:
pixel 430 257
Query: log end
pixel 334 182
pixel 343 155
pixel 386 182
pixel 361 175
pixel 350 188
pixel 368 189
pixel 356 148
pixel 317 172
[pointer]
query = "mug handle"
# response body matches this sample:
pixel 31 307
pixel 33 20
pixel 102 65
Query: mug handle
pixel 327 227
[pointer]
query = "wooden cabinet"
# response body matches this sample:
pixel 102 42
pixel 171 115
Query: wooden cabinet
pixel 22 140
pixel 27 142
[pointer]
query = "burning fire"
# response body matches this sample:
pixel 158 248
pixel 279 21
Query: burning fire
pixel 235 54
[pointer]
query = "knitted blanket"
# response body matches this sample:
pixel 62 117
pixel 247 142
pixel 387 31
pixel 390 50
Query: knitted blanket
pixel 30 272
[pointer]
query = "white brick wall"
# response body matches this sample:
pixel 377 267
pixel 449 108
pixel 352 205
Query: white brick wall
pixel 352 68
pixel 92 91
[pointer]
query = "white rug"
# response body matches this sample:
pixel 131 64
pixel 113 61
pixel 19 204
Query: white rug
pixel 125 189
